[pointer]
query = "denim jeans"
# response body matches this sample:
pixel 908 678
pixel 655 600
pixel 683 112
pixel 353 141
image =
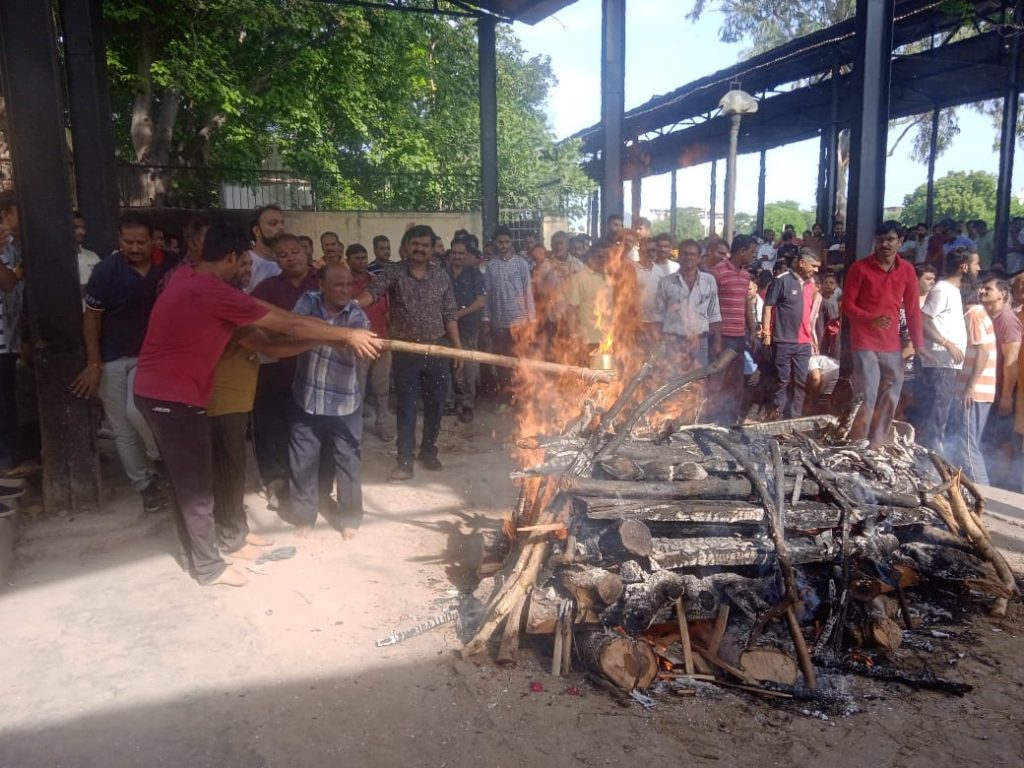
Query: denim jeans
pixel 464 380
pixel 340 436
pixel 133 438
pixel 375 384
pixel 878 377
pixel 8 410
pixel 417 375
pixel 938 390
pixel 963 431
pixel 791 361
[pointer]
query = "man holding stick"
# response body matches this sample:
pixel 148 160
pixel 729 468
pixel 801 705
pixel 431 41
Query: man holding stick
pixel 189 328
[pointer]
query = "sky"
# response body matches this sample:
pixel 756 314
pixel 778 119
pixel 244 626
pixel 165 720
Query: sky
pixel 665 50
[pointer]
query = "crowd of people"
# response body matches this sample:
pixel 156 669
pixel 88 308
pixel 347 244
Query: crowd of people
pixel 196 345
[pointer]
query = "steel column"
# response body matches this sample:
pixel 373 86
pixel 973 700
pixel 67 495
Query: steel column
pixel 933 145
pixel 35 121
pixel 635 192
pixel 730 178
pixel 870 124
pixel 613 104
pixel 673 214
pixel 89 105
pixel 488 75
pixel 713 212
pixel 1007 145
pixel 821 196
pixel 832 143
pixel 762 176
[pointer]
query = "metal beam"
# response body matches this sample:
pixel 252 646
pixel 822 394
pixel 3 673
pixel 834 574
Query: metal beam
pixel 761 178
pixel 635 193
pixel 673 215
pixel 933 147
pixel 488 74
pixel 613 104
pixel 35 123
pixel 870 125
pixel 831 140
pixel 1007 145
pixel 712 212
pixel 821 195
pixel 89 104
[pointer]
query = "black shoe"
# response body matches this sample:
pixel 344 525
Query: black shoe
pixel 431 462
pixel 153 499
pixel 401 473
pixel 466 415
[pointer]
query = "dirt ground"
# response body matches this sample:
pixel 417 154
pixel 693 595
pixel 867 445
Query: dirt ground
pixel 113 657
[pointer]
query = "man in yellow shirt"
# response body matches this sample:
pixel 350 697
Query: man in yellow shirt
pixel 590 301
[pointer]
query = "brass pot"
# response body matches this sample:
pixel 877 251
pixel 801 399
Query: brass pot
pixel 602 362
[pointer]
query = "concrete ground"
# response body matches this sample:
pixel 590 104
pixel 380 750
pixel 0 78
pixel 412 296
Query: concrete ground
pixel 113 657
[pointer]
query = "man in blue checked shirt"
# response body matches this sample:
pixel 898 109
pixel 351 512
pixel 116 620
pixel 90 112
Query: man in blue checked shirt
pixel 327 408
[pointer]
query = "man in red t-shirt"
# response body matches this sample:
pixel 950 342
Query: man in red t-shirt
pixel 379 371
pixel 189 327
pixel 876 289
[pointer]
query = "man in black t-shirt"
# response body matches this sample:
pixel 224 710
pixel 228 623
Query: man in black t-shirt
pixel 788 327
pixel 119 298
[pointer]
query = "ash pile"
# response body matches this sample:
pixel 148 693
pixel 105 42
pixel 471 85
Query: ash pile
pixel 758 558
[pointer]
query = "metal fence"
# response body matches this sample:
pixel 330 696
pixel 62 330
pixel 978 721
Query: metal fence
pixel 145 186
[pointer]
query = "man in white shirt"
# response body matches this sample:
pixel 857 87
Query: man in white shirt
pixel 687 308
pixel 945 332
pixel 663 259
pixel 647 277
pixel 266 225
pixel 765 255
pixel 86 259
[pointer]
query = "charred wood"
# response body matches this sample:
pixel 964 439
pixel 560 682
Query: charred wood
pixel 626 662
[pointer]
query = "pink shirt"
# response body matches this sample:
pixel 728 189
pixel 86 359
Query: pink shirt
pixel 191 323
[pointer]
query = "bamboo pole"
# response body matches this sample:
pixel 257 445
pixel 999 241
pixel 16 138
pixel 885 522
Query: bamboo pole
pixel 503 361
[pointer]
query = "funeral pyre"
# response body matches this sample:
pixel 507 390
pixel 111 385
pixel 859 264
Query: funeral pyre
pixel 756 557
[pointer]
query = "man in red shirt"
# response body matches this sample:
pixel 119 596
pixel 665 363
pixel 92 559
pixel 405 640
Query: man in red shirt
pixel 876 289
pixel 189 328
pixel 738 324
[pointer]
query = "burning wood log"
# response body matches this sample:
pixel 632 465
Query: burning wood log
pixel 711 488
pixel 502 361
pixel 591 587
pixel 626 662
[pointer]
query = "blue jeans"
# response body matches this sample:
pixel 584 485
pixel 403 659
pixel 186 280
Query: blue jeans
pixel 878 377
pixel 417 375
pixel 791 361
pixel 964 429
pixel 937 392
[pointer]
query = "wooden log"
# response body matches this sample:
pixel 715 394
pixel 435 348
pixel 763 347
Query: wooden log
pixel 591 587
pixel 718 634
pixel 626 662
pixel 711 488
pixel 502 361
pixel 728 552
pixel 684 635
pixel 625 540
pixel 542 613
pixel 509 648
pixel 769 665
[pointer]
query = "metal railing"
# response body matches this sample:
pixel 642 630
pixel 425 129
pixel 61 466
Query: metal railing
pixel 146 186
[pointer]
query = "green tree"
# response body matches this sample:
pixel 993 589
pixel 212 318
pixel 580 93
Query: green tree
pixel 688 223
pixel 385 104
pixel 958 195
pixel 778 214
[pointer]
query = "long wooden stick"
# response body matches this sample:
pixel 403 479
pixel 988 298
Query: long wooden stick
pixel 502 361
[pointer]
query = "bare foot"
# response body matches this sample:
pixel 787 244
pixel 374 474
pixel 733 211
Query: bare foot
pixel 231 577
pixel 349 533
pixel 258 541
pixel 247 552
pixel 303 531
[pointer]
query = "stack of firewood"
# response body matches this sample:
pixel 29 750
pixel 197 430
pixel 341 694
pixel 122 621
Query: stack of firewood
pixel 748 557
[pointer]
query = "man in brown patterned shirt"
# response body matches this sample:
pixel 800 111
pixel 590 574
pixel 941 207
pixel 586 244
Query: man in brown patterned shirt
pixel 422 310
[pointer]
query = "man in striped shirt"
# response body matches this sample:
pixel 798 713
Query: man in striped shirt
pixel 327 407
pixel 733 279
pixel 975 388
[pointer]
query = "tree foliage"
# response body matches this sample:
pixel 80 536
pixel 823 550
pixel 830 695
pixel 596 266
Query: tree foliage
pixel 959 195
pixel 372 102
pixel 689 223
pixel 778 214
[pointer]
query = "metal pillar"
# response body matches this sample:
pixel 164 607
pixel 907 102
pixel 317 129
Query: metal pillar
pixel 1007 144
pixel 488 74
pixel 89 105
pixel 613 104
pixel 870 125
pixel 730 178
pixel 821 196
pixel 635 191
pixel 35 122
pixel 933 144
pixel 831 140
pixel 713 212
pixel 762 176
pixel 673 214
